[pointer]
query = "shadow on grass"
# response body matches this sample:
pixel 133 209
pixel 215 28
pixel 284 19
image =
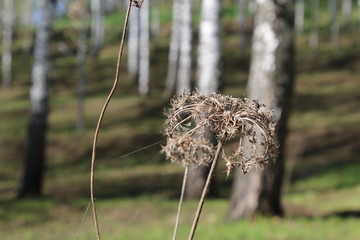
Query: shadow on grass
pixel 344 214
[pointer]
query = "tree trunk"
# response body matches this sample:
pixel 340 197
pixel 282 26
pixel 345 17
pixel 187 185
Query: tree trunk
pixel 243 22
pixel 133 45
pixel 34 160
pixel 271 81
pixel 8 23
pixel 26 16
pixel 184 73
pixel 299 15
pixel 346 13
pixel 155 19
pixel 358 17
pixel 97 26
pixel 144 54
pixel 174 50
pixel 334 24
pixel 208 78
pixel 314 34
pixel 81 60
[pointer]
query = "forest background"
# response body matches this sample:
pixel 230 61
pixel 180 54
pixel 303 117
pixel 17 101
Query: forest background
pixel 137 191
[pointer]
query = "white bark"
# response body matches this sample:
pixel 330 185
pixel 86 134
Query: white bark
pixel 41 67
pixel 133 44
pixel 270 82
pixel 97 26
pixel 208 78
pixel 314 34
pixel 144 55
pixel 8 24
pixel 358 17
pixel 299 15
pixel 334 24
pixel 346 12
pixel 27 20
pixel 174 48
pixel 82 49
pixel 263 65
pixel 243 22
pixel 184 73
pixel 209 47
pixel 155 18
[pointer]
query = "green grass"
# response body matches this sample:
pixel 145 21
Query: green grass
pixel 137 194
pixel 153 218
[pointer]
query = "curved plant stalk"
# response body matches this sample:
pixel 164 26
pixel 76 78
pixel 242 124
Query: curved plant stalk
pixel 205 191
pixel 101 116
pixel 181 201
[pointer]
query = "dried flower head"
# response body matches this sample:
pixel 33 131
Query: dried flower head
pixel 191 115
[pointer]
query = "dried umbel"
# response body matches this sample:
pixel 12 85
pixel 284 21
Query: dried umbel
pixel 192 116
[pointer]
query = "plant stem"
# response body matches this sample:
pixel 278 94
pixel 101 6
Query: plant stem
pixel 181 201
pixel 93 157
pixel 205 191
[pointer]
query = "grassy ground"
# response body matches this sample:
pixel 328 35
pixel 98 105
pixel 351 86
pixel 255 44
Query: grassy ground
pixel 136 193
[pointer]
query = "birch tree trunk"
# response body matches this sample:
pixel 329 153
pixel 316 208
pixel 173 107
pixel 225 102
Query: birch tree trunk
pixel 358 17
pixel 334 24
pixel 209 54
pixel 27 20
pixel 243 22
pixel 174 50
pixel 271 81
pixel 82 49
pixel 155 19
pixel 34 160
pixel 346 7
pixel 8 23
pixel 184 73
pixel 299 15
pixel 144 49
pixel 314 34
pixel 97 26
pixel 133 45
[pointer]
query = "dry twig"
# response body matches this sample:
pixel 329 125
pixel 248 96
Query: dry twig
pixel 228 118
pixel 102 113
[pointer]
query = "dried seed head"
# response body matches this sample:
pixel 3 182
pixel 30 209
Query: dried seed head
pixel 228 118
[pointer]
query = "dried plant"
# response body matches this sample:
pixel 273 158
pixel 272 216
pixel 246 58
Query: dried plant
pixel 189 118
pixel 229 119
pixel 137 4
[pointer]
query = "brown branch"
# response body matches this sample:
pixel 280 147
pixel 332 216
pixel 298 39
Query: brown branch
pixel 205 191
pixel 122 44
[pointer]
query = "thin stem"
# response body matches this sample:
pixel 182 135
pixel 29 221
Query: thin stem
pixel 181 201
pixel 205 191
pixel 122 44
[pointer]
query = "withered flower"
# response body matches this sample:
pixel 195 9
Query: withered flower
pixel 229 119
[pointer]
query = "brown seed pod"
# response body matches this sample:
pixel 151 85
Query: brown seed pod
pixel 228 118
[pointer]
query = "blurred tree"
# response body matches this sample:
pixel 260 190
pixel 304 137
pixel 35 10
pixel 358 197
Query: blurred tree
pixel 358 17
pixel 97 26
pixel 174 50
pixel 271 81
pixel 78 11
pixel 184 73
pixel 34 160
pixel 144 49
pixel 27 22
pixel 334 24
pixel 8 24
pixel 208 77
pixel 314 34
pixel 155 19
pixel 346 6
pixel 299 15
pixel 133 45
pixel 243 6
